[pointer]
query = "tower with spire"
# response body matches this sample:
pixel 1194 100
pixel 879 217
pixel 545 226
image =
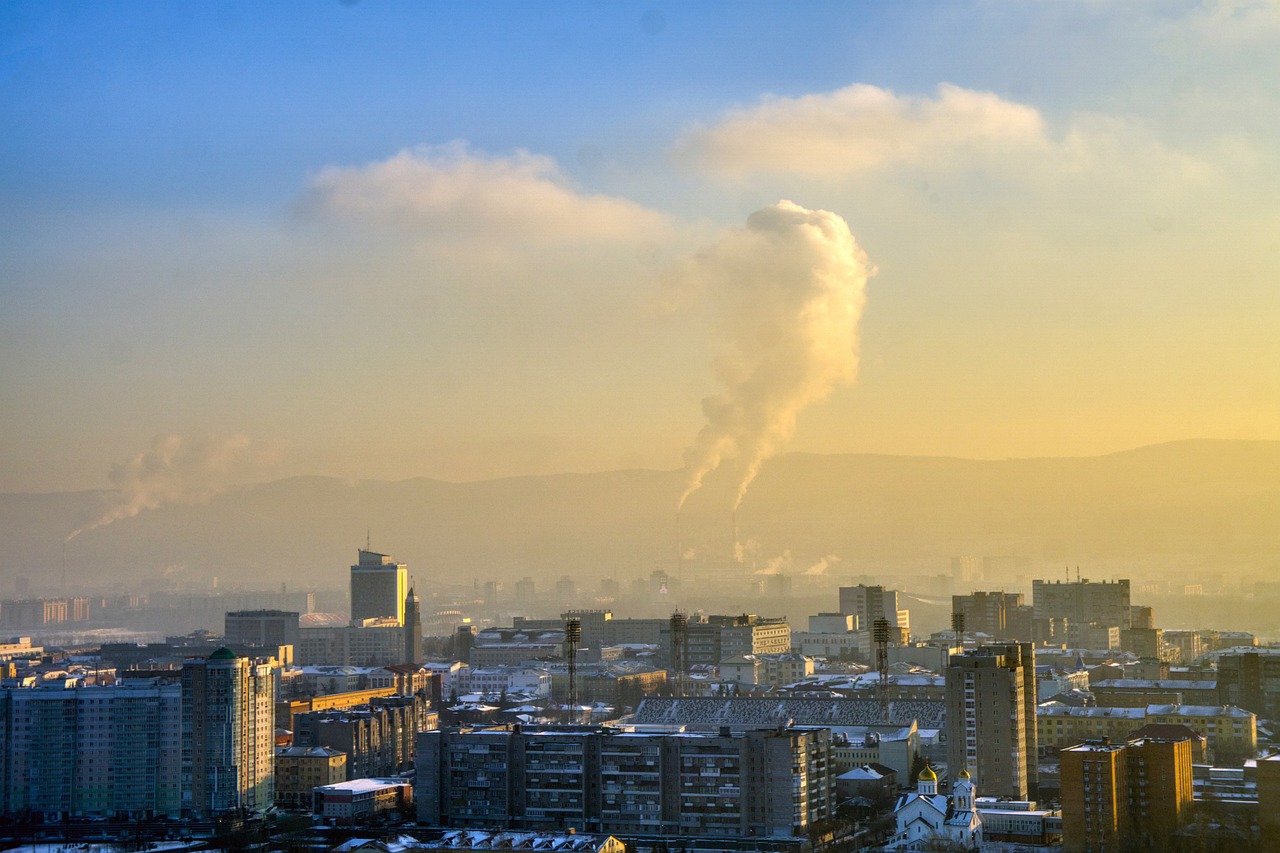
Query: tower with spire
pixel 412 628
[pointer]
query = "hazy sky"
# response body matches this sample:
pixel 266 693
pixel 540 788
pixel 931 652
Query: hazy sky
pixel 378 239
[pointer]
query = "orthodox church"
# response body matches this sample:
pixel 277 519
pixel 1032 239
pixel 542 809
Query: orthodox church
pixel 926 817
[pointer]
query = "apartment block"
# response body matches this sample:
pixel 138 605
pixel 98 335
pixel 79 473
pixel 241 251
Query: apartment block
pixel 991 717
pixel 763 782
pixel 1118 796
pixel 92 751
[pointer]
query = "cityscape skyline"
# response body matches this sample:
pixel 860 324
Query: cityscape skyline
pixel 377 241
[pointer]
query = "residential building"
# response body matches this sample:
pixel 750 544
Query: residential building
pixel 1250 679
pixel 1083 601
pixel 774 782
pixel 723 637
pixel 302 769
pixel 112 751
pixel 992 613
pixel 379 587
pixel 1118 795
pixel 991 718
pixel 1229 732
pixel 377 738
pixel 229 723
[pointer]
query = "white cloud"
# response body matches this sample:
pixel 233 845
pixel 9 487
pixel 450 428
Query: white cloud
pixel 861 132
pixel 863 128
pixel 451 191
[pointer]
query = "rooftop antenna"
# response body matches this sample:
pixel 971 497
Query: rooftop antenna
pixel 368 539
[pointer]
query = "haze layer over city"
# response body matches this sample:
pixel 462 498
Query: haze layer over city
pixel 836 294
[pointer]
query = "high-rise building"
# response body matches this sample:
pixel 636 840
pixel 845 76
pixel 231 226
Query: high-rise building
pixel 379 586
pixel 228 721
pixel 1251 680
pixel 991 718
pixel 92 751
pixel 993 613
pixel 1083 601
pixel 412 629
pixel 1119 796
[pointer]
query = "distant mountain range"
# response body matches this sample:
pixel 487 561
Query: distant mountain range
pixel 1186 504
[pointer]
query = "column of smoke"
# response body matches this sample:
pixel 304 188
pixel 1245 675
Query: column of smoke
pixel 789 289
pixel 172 470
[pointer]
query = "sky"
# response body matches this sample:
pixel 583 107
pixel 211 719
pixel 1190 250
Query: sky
pixel 244 241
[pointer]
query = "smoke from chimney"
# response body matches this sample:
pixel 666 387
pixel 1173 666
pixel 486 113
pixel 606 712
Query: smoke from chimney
pixel 789 288
pixel 172 470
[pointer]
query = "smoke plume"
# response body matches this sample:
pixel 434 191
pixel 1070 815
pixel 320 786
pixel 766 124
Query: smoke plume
pixel 173 470
pixel 789 289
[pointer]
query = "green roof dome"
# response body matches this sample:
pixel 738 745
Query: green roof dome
pixel 223 653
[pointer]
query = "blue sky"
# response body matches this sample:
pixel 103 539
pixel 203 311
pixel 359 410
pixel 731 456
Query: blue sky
pixel 209 211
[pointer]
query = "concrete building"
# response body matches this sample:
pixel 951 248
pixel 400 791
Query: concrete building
pixel 359 800
pixel 302 769
pixel 723 637
pixel 379 586
pixel 378 739
pixel 1140 692
pixel 891 746
pixel 991 718
pixel 374 642
pixel 1269 793
pixel 1228 731
pixel 92 751
pixel 993 613
pixel 1250 679
pixel 229 721
pixel 869 603
pixel 769 783
pixel 1083 601
pixel 263 628
pixel 1118 795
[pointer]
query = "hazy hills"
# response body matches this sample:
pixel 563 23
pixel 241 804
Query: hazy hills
pixel 1212 504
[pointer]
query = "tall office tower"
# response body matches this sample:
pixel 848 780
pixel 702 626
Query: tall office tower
pixel 1121 796
pixel 991 718
pixel 379 586
pixel 412 629
pixel 229 721
pixel 870 603
pixel 262 628
pixel 1084 601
